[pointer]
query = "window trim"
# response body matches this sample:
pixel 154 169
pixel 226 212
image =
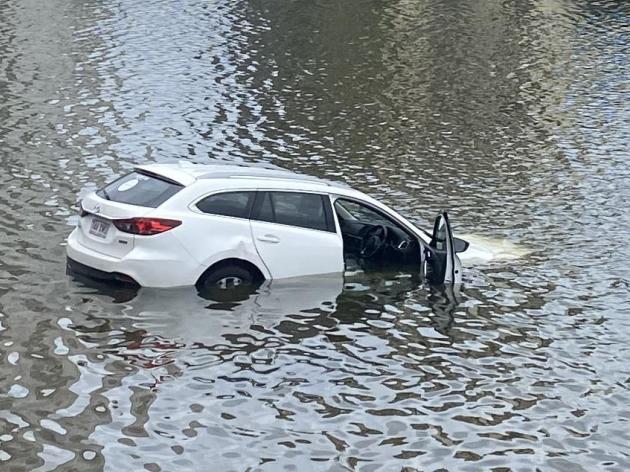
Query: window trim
pixel 330 221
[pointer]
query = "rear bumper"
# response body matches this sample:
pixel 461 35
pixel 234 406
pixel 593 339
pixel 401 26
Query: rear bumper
pixel 76 268
pixel 147 267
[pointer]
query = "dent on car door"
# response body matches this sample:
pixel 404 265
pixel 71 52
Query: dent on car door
pixel 295 234
pixel 219 224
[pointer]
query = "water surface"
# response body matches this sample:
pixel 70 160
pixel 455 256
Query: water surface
pixel 513 115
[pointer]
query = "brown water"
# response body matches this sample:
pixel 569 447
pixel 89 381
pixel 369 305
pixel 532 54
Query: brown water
pixel 514 115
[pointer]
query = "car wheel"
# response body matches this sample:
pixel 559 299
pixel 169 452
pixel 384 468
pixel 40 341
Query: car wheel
pixel 228 283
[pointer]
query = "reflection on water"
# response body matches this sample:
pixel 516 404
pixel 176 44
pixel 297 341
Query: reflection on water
pixel 513 115
pixel 251 363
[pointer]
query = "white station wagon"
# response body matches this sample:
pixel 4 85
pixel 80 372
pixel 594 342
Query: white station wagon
pixel 222 226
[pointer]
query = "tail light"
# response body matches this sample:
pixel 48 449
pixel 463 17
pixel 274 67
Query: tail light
pixel 146 226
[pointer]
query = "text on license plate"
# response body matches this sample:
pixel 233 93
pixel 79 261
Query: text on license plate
pixel 99 228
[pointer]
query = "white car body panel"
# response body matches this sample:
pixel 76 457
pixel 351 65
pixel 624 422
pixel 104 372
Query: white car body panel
pixel 289 251
pixel 212 238
pixel 115 243
pixel 180 256
pixel 148 264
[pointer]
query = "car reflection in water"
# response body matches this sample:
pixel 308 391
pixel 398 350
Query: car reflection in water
pixel 157 323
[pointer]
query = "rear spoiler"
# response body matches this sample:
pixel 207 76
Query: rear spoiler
pixel 155 175
pixel 167 173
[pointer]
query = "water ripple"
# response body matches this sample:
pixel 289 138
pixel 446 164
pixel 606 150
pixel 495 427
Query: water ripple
pixel 513 116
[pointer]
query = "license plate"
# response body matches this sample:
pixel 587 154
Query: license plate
pixel 99 228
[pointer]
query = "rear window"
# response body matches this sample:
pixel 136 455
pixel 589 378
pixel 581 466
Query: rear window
pixel 141 189
pixel 236 204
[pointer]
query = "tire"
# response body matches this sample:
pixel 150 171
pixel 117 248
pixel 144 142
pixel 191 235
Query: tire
pixel 228 283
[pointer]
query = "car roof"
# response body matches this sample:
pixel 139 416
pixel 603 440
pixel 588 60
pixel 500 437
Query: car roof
pixel 228 176
pixel 188 173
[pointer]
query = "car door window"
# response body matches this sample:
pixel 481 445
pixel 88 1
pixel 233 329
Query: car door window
pixel 361 213
pixel 305 210
pixel 351 212
pixel 235 204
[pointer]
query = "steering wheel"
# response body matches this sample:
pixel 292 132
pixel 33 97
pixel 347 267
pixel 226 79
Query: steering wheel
pixel 373 241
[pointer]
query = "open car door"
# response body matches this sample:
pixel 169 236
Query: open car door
pixel 442 264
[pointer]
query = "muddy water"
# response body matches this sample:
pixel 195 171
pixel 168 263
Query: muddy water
pixel 514 115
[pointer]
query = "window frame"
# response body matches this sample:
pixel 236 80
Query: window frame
pixel 329 218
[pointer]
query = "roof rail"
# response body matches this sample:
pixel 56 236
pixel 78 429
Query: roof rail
pixel 266 173
pixel 306 178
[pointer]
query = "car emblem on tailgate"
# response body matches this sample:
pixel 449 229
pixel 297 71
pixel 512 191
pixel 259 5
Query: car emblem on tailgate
pixel 97 209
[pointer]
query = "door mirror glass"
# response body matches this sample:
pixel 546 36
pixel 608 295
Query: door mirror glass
pixel 459 245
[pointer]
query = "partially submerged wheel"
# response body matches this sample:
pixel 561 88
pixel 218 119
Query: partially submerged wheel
pixel 228 283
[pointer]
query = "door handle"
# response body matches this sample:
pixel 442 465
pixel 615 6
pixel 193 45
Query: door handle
pixel 269 238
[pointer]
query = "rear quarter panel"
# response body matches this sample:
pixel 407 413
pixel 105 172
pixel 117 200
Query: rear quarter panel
pixel 212 238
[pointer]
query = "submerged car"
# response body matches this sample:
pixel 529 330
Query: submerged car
pixel 225 226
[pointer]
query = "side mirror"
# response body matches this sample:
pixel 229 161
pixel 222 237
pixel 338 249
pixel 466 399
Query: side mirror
pixel 459 245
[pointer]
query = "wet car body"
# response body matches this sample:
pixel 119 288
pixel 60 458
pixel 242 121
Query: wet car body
pixel 168 225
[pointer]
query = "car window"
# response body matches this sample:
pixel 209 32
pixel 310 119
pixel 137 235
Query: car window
pixel 362 213
pixel 306 210
pixel 141 189
pixel 236 204
pixel 351 210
